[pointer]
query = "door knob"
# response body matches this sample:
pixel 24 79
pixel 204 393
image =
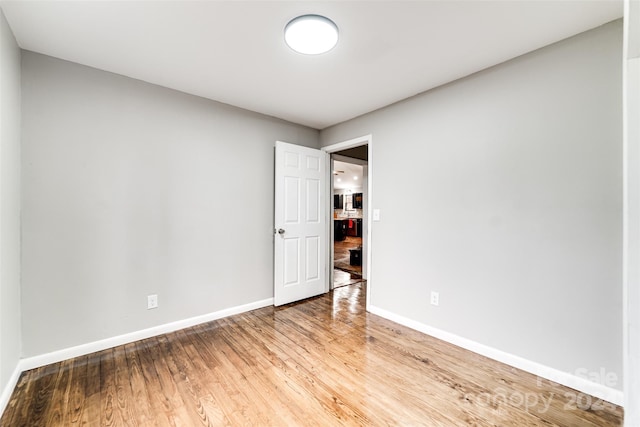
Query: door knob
pixel 280 231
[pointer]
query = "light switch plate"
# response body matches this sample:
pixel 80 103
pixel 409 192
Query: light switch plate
pixel 376 214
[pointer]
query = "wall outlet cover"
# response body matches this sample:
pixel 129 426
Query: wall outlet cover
pixel 435 298
pixel 152 302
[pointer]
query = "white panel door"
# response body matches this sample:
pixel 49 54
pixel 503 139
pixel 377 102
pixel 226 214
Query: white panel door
pixel 300 223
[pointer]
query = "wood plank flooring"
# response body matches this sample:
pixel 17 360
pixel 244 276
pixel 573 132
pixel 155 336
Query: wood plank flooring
pixel 342 256
pixel 320 362
pixel 343 278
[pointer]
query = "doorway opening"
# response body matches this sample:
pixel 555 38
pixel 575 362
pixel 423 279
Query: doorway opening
pixel 353 222
pixel 347 167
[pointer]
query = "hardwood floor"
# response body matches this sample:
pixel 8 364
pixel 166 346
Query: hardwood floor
pixel 341 255
pixel 343 278
pixel 322 362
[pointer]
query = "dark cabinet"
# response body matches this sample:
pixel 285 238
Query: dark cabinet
pixel 338 201
pixel 356 201
pixel 353 227
pixel 346 227
pixel 338 231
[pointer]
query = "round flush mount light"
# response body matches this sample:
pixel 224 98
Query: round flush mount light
pixel 311 34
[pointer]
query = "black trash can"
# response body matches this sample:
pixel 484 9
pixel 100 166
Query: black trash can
pixel 355 256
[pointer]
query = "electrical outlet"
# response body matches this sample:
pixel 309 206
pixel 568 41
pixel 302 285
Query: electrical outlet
pixel 435 298
pixel 152 301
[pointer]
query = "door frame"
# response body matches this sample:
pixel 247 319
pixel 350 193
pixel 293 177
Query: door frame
pixel 339 146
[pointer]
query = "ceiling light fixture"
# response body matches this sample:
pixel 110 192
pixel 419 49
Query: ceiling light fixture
pixel 311 34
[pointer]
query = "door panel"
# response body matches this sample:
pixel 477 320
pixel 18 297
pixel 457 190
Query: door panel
pixel 292 200
pixel 313 201
pixel 300 242
pixel 291 261
pixel 313 261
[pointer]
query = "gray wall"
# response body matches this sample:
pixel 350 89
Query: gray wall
pixel 632 216
pixel 9 203
pixel 131 189
pixel 503 192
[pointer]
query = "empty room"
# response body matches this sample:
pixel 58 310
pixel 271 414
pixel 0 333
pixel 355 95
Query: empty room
pixel 295 213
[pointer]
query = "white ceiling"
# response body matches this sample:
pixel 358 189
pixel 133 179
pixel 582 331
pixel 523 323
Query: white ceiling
pixel 347 176
pixel 234 51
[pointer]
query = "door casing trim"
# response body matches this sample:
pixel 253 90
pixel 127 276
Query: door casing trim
pixel 339 146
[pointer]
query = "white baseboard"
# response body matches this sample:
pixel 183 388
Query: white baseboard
pixel 578 383
pixel 8 388
pixel 80 350
pixel 83 349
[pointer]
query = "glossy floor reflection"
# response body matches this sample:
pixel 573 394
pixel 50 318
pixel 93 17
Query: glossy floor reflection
pixel 344 278
pixel 324 361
